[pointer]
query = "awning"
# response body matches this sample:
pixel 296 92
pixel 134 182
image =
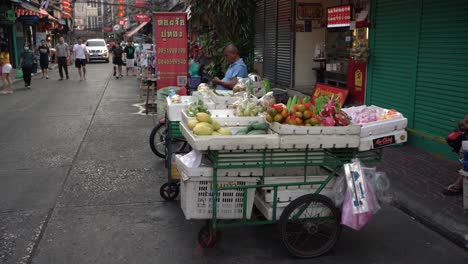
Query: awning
pixel 30 7
pixel 49 16
pixel 135 30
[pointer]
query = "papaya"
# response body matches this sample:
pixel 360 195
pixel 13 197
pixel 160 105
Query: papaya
pixel 192 123
pixel 202 130
pixel 225 131
pixel 203 117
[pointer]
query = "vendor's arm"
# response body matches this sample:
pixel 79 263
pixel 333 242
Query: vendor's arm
pixel 226 84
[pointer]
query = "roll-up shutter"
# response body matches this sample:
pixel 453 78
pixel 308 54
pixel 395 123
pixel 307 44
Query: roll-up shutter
pixel 269 54
pixel 418 65
pixel 442 73
pixel 259 40
pixel 393 54
pixel 284 44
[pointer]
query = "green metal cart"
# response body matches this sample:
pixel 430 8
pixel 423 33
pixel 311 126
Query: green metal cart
pixel 309 225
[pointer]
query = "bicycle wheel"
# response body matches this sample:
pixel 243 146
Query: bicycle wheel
pixel 157 141
pixel 310 226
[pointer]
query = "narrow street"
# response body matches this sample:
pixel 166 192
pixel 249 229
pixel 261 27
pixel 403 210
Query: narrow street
pixel 79 184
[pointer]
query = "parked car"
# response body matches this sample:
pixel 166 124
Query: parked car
pixel 97 49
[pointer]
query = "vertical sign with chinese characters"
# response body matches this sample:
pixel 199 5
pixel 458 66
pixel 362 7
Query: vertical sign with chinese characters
pixel 171 48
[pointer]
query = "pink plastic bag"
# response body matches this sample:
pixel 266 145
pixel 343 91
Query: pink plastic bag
pixel 358 221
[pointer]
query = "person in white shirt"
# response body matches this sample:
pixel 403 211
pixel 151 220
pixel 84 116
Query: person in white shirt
pixel 6 76
pixel 79 50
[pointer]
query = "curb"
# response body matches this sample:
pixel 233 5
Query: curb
pixel 436 222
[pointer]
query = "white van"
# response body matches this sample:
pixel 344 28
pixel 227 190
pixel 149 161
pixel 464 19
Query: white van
pixel 97 49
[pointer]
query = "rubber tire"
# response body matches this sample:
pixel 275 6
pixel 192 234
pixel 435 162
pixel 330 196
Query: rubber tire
pixel 207 237
pixel 152 139
pixel 169 191
pixel 284 222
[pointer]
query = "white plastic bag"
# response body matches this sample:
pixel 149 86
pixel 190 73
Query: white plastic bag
pixel 192 159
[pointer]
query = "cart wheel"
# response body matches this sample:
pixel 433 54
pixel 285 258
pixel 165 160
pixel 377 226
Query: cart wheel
pixel 169 191
pixel 207 237
pixel 310 226
pixel 157 141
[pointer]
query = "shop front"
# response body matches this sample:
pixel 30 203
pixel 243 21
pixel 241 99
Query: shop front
pixel 7 33
pixel 418 65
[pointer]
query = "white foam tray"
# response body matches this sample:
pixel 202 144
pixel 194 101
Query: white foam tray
pixel 174 111
pixel 241 142
pixel 367 143
pixel 284 129
pixel 226 117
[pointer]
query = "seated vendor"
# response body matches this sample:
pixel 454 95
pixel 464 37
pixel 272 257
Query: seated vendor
pixel 237 68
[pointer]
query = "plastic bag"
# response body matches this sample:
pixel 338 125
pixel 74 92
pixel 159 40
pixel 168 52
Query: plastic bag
pixel 339 190
pixel 349 218
pixel 192 159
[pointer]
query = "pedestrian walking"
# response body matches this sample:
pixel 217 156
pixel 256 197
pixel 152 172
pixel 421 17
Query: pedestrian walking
pixel 26 62
pixel 44 52
pixel 63 56
pixel 117 53
pixel 79 51
pixel 130 56
pixel 6 77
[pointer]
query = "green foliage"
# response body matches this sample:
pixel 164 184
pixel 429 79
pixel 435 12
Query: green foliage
pixel 220 22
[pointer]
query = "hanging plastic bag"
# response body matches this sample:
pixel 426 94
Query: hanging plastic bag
pixel 339 190
pixel 192 159
pixel 349 218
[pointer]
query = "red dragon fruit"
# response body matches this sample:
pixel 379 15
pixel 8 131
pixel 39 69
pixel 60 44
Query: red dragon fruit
pixel 342 119
pixel 327 121
pixel 328 109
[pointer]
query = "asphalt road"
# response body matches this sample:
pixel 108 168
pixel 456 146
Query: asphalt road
pixel 79 184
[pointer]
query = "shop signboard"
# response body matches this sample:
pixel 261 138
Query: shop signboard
pixel 171 48
pixel 356 81
pixel 139 3
pixel 327 90
pixel 339 16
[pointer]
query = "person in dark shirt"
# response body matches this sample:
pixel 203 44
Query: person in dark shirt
pixel 44 58
pixel 117 54
pixel 26 62
pixel 130 56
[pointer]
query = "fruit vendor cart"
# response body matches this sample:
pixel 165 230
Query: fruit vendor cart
pixel 282 176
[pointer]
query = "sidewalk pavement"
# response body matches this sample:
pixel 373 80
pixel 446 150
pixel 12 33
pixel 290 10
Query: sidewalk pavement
pixel 417 178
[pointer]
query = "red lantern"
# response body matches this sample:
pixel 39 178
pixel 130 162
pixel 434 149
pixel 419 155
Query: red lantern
pixel 121 8
pixel 121 14
pixel 142 17
pixel 121 1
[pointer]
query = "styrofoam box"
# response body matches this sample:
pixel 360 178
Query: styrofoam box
pixel 294 137
pixel 232 142
pixel 380 126
pixel 367 143
pixel 174 111
pixel 197 197
pixel 206 170
pixel 226 117
pixel 267 208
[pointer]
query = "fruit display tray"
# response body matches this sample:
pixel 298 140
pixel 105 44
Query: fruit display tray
pixel 231 142
pixel 226 117
pixel 317 137
pixel 174 110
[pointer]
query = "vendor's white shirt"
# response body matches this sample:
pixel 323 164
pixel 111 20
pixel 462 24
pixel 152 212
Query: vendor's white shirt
pixel 80 51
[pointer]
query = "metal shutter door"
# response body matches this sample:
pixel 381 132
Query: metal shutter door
pixel 269 54
pixel 259 39
pixel 442 77
pixel 393 54
pixel 284 44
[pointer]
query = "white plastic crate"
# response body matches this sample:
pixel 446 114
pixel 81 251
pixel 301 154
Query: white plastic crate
pixel 284 129
pixel 226 117
pixel 174 111
pixel 206 170
pixel 383 140
pixel 232 142
pixel 197 197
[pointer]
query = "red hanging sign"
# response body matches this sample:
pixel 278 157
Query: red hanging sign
pixel 139 3
pixel 171 48
pixel 339 16
pixel 142 18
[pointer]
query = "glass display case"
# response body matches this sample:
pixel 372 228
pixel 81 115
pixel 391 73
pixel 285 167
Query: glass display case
pixel 339 42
